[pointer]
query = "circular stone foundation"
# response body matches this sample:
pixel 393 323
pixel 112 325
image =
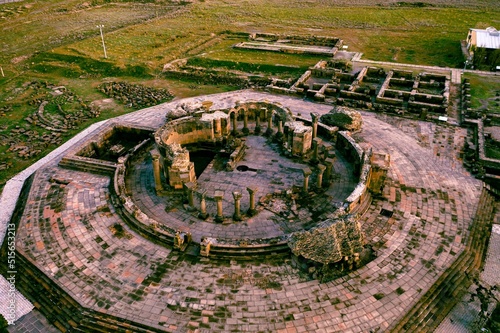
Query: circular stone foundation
pixel 257 191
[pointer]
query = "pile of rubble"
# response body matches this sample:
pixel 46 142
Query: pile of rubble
pixel 135 95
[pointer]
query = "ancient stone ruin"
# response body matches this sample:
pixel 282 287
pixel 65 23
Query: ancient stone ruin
pixel 309 202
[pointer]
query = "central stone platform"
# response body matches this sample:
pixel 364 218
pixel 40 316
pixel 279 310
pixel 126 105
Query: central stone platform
pixel 268 171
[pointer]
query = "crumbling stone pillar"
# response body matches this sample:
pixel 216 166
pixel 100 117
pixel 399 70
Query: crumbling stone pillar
pixel 279 134
pixel 235 123
pixel 257 122
pixel 329 170
pixel 203 205
pixel 218 127
pixel 237 214
pixel 157 172
pixel 269 130
pixel 321 170
pixel 315 119
pixel 205 246
pixel 251 191
pixel 288 139
pixel 316 143
pixel 189 189
pixel 218 200
pixel 245 122
pixel 307 173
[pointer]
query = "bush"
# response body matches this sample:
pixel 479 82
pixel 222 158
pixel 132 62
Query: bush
pixel 3 324
pixel 341 120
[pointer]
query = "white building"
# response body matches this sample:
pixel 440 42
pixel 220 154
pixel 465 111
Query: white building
pixel 484 41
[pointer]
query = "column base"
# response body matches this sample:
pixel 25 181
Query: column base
pixel 279 137
pixel 252 212
pixel 203 216
pixel 314 161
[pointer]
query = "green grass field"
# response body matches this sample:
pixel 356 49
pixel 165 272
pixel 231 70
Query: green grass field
pixel 485 92
pixel 58 42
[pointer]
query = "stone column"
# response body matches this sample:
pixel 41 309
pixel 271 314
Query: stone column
pixel 289 139
pixel 307 173
pixel 321 170
pixel 237 214
pixel 189 188
pixel 269 130
pixel 251 191
pixel 218 200
pixel 235 123
pixel 257 122
pixel 329 170
pixel 218 127
pixel 157 172
pixel 316 143
pixel 203 205
pixel 245 122
pixel 279 134
pixel 315 119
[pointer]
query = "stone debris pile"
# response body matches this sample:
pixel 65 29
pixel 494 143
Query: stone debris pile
pixel 135 95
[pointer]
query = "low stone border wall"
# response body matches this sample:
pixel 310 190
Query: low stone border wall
pixel 74 161
pixel 140 222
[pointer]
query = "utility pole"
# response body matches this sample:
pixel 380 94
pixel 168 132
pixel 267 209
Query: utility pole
pixel 100 26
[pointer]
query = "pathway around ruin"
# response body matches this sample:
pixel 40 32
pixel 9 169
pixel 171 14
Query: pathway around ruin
pixel 433 200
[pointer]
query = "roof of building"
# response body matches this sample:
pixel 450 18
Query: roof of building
pixel 488 38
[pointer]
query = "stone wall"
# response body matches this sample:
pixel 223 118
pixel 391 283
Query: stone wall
pixel 84 157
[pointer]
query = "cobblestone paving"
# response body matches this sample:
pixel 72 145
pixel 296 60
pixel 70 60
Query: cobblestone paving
pixel 71 232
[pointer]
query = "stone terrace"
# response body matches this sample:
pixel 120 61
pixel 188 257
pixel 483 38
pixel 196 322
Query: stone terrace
pixel 69 230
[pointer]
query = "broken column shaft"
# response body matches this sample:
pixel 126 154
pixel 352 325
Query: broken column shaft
pixel 307 173
pixel 257 122
pixel 316 143
pixel 329 170
pixel 251 192
pixel 269 115
pixel 157 172
pixel 237 214
pixel 315 119
pixel 245 122
pixel 203 205
pixel 218 200
pixel 321 170
pixel 189 188
pixel 235 123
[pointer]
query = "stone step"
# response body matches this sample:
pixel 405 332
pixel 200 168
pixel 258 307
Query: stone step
pixel 247 253
pixel 92 166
